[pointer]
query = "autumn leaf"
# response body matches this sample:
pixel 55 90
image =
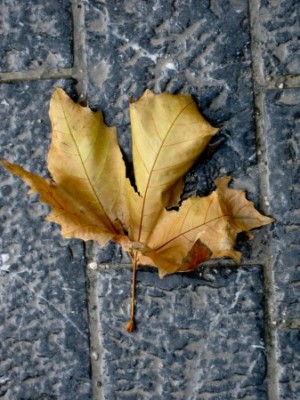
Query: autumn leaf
pixel 91 198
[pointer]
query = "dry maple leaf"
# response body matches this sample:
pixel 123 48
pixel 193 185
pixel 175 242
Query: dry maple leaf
pixel 91 198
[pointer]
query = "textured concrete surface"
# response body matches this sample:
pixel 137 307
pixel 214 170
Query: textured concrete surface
pixel 31 34
pixel 194 47
pixel 280 36
pixel 44 347
pixel 283 144
pixel 220 333
pixel 196 338
pixel 170 49
pixel 289 358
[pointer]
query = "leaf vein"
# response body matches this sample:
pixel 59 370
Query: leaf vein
pixel 87 175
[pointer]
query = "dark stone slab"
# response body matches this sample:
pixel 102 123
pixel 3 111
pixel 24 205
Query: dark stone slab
pixel 35 35
pixel 197 47
pixel 196 338
pixel 283 144
pixel 289 359
pixel 280 25
pixel 189 47
pixel 44 347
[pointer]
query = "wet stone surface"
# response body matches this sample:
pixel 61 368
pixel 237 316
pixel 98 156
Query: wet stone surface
pixel 197 337
pixel 201 48
pixel 35 35
pixel 194 47
pixel 44 350
pixel 280 24
pixel 283 144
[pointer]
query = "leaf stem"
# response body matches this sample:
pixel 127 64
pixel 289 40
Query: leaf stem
pixel 130 326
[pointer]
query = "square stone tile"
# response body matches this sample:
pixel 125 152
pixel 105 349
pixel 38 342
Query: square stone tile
pixel 35 34
pixel 202 48
pixel 289 360
pixel 283 144
pixel 280 34
pixel 196 338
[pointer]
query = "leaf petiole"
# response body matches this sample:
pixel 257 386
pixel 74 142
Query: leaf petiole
pixel 130 326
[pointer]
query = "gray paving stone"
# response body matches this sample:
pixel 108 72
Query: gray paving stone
pixel 289 359
pixel 175 47
pixel 35 34
pixel 196 338
pixel 283 137
pixel 280 24
pixel 44 347
pixel 202 48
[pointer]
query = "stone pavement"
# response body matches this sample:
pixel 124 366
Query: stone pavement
pixel 219 333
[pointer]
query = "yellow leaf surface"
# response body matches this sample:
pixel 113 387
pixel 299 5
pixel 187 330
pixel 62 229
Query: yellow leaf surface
pixel 74 215
pixel 87 193
pixel 168 135
pixel 204 227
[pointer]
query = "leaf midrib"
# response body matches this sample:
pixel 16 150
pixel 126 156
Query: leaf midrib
pixel 152 168
pixel 111 226
pixel 188 230
pixel 197 227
